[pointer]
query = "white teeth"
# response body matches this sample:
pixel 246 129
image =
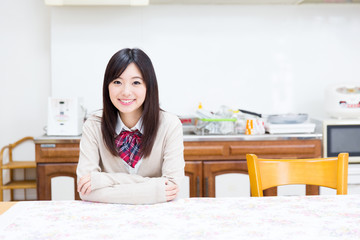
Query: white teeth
pixel 126 101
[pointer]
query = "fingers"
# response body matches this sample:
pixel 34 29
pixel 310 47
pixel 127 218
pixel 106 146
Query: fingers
pixel 171 190
pixel 86 188
pixel 84 185
pixel 172 196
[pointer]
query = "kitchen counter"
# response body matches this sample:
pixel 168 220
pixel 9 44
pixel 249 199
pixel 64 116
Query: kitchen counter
pixel 192 137
pixel 263 137
pixel 45 139
pixel 200 138
pixel 243 137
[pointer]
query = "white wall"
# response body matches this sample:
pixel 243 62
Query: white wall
pixel 24 68
pixel 24 73
pixel 270 59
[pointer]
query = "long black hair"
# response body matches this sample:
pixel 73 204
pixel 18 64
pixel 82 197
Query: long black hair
pixel 151 107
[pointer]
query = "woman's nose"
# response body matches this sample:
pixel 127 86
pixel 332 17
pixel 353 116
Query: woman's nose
pixel 126 90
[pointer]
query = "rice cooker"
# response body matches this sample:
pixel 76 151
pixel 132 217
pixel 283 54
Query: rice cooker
pixel 343 101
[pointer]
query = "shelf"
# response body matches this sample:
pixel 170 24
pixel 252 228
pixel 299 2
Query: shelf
pixel 19 164
pixel 20 184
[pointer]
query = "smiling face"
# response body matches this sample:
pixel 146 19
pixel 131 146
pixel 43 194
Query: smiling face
pixel 127 94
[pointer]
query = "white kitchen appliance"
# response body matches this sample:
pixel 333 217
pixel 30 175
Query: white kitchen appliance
pixel 343 101
pixel 65 117
pixel 342 136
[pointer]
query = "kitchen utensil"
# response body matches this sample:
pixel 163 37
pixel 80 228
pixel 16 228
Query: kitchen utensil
pixel 289 118
pixel 207 126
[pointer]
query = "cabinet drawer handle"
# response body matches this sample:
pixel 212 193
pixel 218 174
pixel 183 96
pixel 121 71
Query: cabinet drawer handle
pixel 48 145
pixel 197 186
pixel 206 187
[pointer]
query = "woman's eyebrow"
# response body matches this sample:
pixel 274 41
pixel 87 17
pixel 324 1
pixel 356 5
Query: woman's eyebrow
pixel 134 77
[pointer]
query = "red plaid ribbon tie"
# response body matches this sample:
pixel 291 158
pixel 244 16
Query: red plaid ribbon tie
pixel 128 146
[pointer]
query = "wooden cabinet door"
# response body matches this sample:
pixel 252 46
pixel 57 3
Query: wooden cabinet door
pixel 215 168
pixel 193 169
pixel 46 171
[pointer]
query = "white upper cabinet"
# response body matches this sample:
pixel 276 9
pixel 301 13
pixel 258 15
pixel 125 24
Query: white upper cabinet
pixel 97 2
pixel 150 2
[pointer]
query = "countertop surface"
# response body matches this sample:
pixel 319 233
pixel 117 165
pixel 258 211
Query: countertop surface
pixel 196 138
pixel 243 137
pixel 192 137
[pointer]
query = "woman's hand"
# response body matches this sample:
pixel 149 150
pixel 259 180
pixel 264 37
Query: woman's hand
pixel 171 190
pixel 84 185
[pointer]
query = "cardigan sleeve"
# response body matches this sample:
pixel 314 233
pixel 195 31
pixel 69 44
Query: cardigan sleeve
pixel 174 164
pixel 149 192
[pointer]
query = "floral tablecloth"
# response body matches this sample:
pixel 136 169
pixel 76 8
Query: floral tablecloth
pixel 311 217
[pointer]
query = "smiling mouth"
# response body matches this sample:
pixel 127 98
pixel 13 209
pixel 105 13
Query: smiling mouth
pixel 126 101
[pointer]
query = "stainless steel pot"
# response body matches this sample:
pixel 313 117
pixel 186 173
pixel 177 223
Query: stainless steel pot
pixel 289 118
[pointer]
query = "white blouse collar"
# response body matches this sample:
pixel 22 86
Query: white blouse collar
pixel 121 126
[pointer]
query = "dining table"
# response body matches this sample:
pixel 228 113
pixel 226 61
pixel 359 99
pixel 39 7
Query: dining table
pixel 282 217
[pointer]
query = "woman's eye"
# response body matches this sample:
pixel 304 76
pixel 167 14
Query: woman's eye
pixel 116 82
pixel 136 82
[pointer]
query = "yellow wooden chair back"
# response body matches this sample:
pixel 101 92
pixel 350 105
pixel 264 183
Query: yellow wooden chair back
pixel 326 172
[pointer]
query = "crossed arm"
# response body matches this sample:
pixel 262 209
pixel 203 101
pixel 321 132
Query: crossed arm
pixel 84 187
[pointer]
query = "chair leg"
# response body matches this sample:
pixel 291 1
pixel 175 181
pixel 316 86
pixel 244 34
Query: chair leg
pixel 312 190
pixel 1 184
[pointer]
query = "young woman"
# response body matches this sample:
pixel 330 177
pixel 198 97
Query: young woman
pixel 132 152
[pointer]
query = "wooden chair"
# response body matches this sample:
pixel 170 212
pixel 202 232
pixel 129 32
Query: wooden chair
pixel 326 172
pixel 11 166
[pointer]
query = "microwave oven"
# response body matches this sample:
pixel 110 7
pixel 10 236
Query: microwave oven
pixel 342 135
